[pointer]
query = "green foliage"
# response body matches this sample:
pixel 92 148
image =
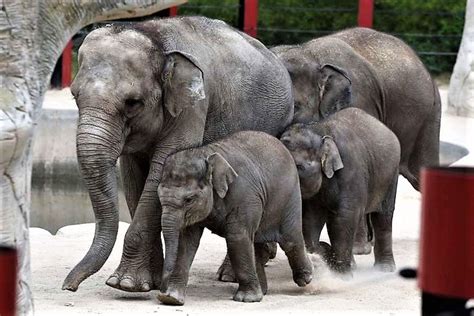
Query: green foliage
pixel 429 26
pixel 225 10
pixel 305 19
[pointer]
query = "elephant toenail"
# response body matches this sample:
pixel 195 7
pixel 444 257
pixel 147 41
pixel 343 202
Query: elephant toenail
pixel 146 287
pixel 127 284
pixel 113 281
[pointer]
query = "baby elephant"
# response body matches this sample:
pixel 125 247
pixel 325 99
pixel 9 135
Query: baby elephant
pixel 348 167
pixel 244 188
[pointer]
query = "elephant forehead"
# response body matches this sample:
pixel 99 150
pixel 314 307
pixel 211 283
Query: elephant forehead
pixel 128 49
pixel 184 170
pixel 178 186
pixel 106 36
pixel 296 139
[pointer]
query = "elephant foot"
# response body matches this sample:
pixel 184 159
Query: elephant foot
pixel 385 266
pixel 362 248
pixel 143 279
pixel 303 279
pixel 248 296
pixel 141 266
pixel 342 268
pixel 304 276
pixel 132 282
pixel 172 297
pixel 226 272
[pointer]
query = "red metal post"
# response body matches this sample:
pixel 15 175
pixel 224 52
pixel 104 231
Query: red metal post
pixel 446 265
pixel 173 11
pixel 366 13
pixel 249 16
pixel 66 66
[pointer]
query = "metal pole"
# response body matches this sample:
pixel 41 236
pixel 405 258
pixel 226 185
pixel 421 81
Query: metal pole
pixel 248 16
pixel 66 66
pixel 173 11
pixel 366 13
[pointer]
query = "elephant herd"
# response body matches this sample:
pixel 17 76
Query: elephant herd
pixel 214 130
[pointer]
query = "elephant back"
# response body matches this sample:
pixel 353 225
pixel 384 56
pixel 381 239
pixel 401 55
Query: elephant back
pixel 247 87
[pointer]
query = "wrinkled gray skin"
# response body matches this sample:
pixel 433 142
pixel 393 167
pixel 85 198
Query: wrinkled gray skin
pixel 348 167
pixel 244 188
pixel 375 72
pixel 147 90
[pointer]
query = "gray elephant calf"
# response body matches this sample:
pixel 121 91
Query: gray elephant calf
pixel 244 188
pixel 348 167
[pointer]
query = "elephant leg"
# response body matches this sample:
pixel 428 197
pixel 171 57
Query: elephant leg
pixel 133 171
pixel 382 222
pixel 341 231
pixel 175 291
pixel 426 150
pixel 293 244
pixel 313 223
pixel 262 256
pixel 362 245
pixel 241 252
pixel 141 266
pixel 225 273
pixel 408 151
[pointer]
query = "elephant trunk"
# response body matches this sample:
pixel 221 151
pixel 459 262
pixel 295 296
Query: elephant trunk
pixel 171 225
pixel 99 144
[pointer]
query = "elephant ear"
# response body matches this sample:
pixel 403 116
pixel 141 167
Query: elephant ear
pixel 335 90
pixel 183 83
pixel 222 173
pixel 330 158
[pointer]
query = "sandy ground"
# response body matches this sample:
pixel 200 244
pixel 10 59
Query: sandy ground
pixel 368 292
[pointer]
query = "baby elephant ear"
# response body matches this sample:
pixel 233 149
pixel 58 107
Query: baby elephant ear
pixel 330 158
pixel 222 173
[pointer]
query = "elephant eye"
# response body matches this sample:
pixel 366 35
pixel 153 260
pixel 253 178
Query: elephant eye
pixel 190 199
pixel 133 103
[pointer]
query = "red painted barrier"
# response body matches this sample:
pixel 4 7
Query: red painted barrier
pixel 8 281
pixel 447 232
pixel 248 18
pixel 173 11
pixel 366 13
pixel 66 66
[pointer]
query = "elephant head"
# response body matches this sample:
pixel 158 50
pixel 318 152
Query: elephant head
pixel 129 91
pixel 318 89
pixel 315 156
pixel 186 194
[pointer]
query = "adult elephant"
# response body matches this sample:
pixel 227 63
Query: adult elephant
pixel 147 90
pixel 378 73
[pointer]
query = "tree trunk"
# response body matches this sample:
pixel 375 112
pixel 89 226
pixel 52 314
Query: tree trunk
pixel 461 86
pixel 32 36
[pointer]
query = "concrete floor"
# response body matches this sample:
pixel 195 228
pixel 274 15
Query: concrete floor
pixel 369 292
